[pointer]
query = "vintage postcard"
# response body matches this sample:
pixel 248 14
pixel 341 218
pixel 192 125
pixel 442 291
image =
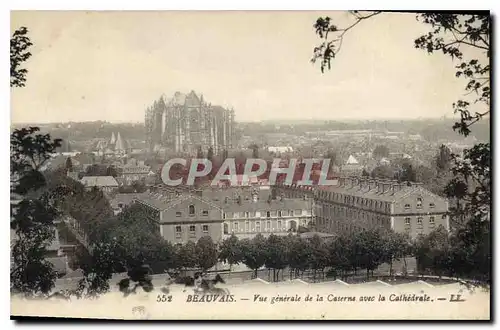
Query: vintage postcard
pixel 259 165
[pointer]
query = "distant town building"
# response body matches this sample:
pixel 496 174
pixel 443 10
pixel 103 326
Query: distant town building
pixel 185 122
pixel 351 167
pixel 132 171
pixel 280 149
pixel 114 146
pixel 105 183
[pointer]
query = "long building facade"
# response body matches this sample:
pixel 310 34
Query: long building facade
pixel 219 214
pixel 357 203
pixel 185 122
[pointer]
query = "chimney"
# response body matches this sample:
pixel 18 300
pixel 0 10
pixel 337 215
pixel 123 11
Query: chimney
pixel 396 186
pixel 372 184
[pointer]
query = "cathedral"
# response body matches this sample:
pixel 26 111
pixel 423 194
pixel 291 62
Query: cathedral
pixel 185 122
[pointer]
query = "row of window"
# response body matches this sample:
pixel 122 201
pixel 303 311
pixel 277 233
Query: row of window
pixel 267 214
pixel 192 229
pixel 420 220
pixel 420 204
pixel 256 226
pixel 373 220
pixel 345 212
pixel 356 200
pixel 203 213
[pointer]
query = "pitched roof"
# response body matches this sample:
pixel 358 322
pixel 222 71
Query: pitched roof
pixel 274 205
pixel 352 160
pixel 192 99
pixel 387 196
pixel 99 181
pixel 125 199
pixel 165 201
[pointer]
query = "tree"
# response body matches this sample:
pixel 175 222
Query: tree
pixel 341 254
pixel 69 165
pixel 471 186
pixel 210 154
pixel 32 218
pixel 405 171
pixel 383 172
pixel 19 45
pixel 381 151
pixel 433 252
pixel 98 269
pixel 255 150
pixel 254 254
pixel 395 246
pixel 443 159
pixel 319 255
pixel 452 34
pixel 298 254
pixel 369 250
pixel 186 257
pixel 139 186
pixel 230 251
pixel 34 230
pixel 206 253
pixel 276 257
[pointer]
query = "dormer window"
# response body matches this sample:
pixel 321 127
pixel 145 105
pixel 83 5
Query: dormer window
pixel 407 206
pixel 432 205
pixel 191 210
pixel 178 214
pixel 204 213
pixel 419 203
pixel 268 214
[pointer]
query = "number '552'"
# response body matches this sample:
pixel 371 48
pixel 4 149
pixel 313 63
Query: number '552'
pixel 163 298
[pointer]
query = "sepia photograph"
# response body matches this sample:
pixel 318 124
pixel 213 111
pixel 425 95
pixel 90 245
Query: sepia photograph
pixel 250 165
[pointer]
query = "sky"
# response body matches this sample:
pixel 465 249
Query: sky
pixel 88 66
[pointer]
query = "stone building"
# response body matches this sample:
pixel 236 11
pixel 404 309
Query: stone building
pixel 357 203
pixel 191 216
pixel 185 122
pixel 115 146
pixel 184 218
pixel 133 170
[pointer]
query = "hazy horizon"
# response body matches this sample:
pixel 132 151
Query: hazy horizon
pixel 90 66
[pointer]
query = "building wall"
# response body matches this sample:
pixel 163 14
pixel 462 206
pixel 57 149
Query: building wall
pixel 414 211
pixel 248 224
pixel 171 233
pixel 187 213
